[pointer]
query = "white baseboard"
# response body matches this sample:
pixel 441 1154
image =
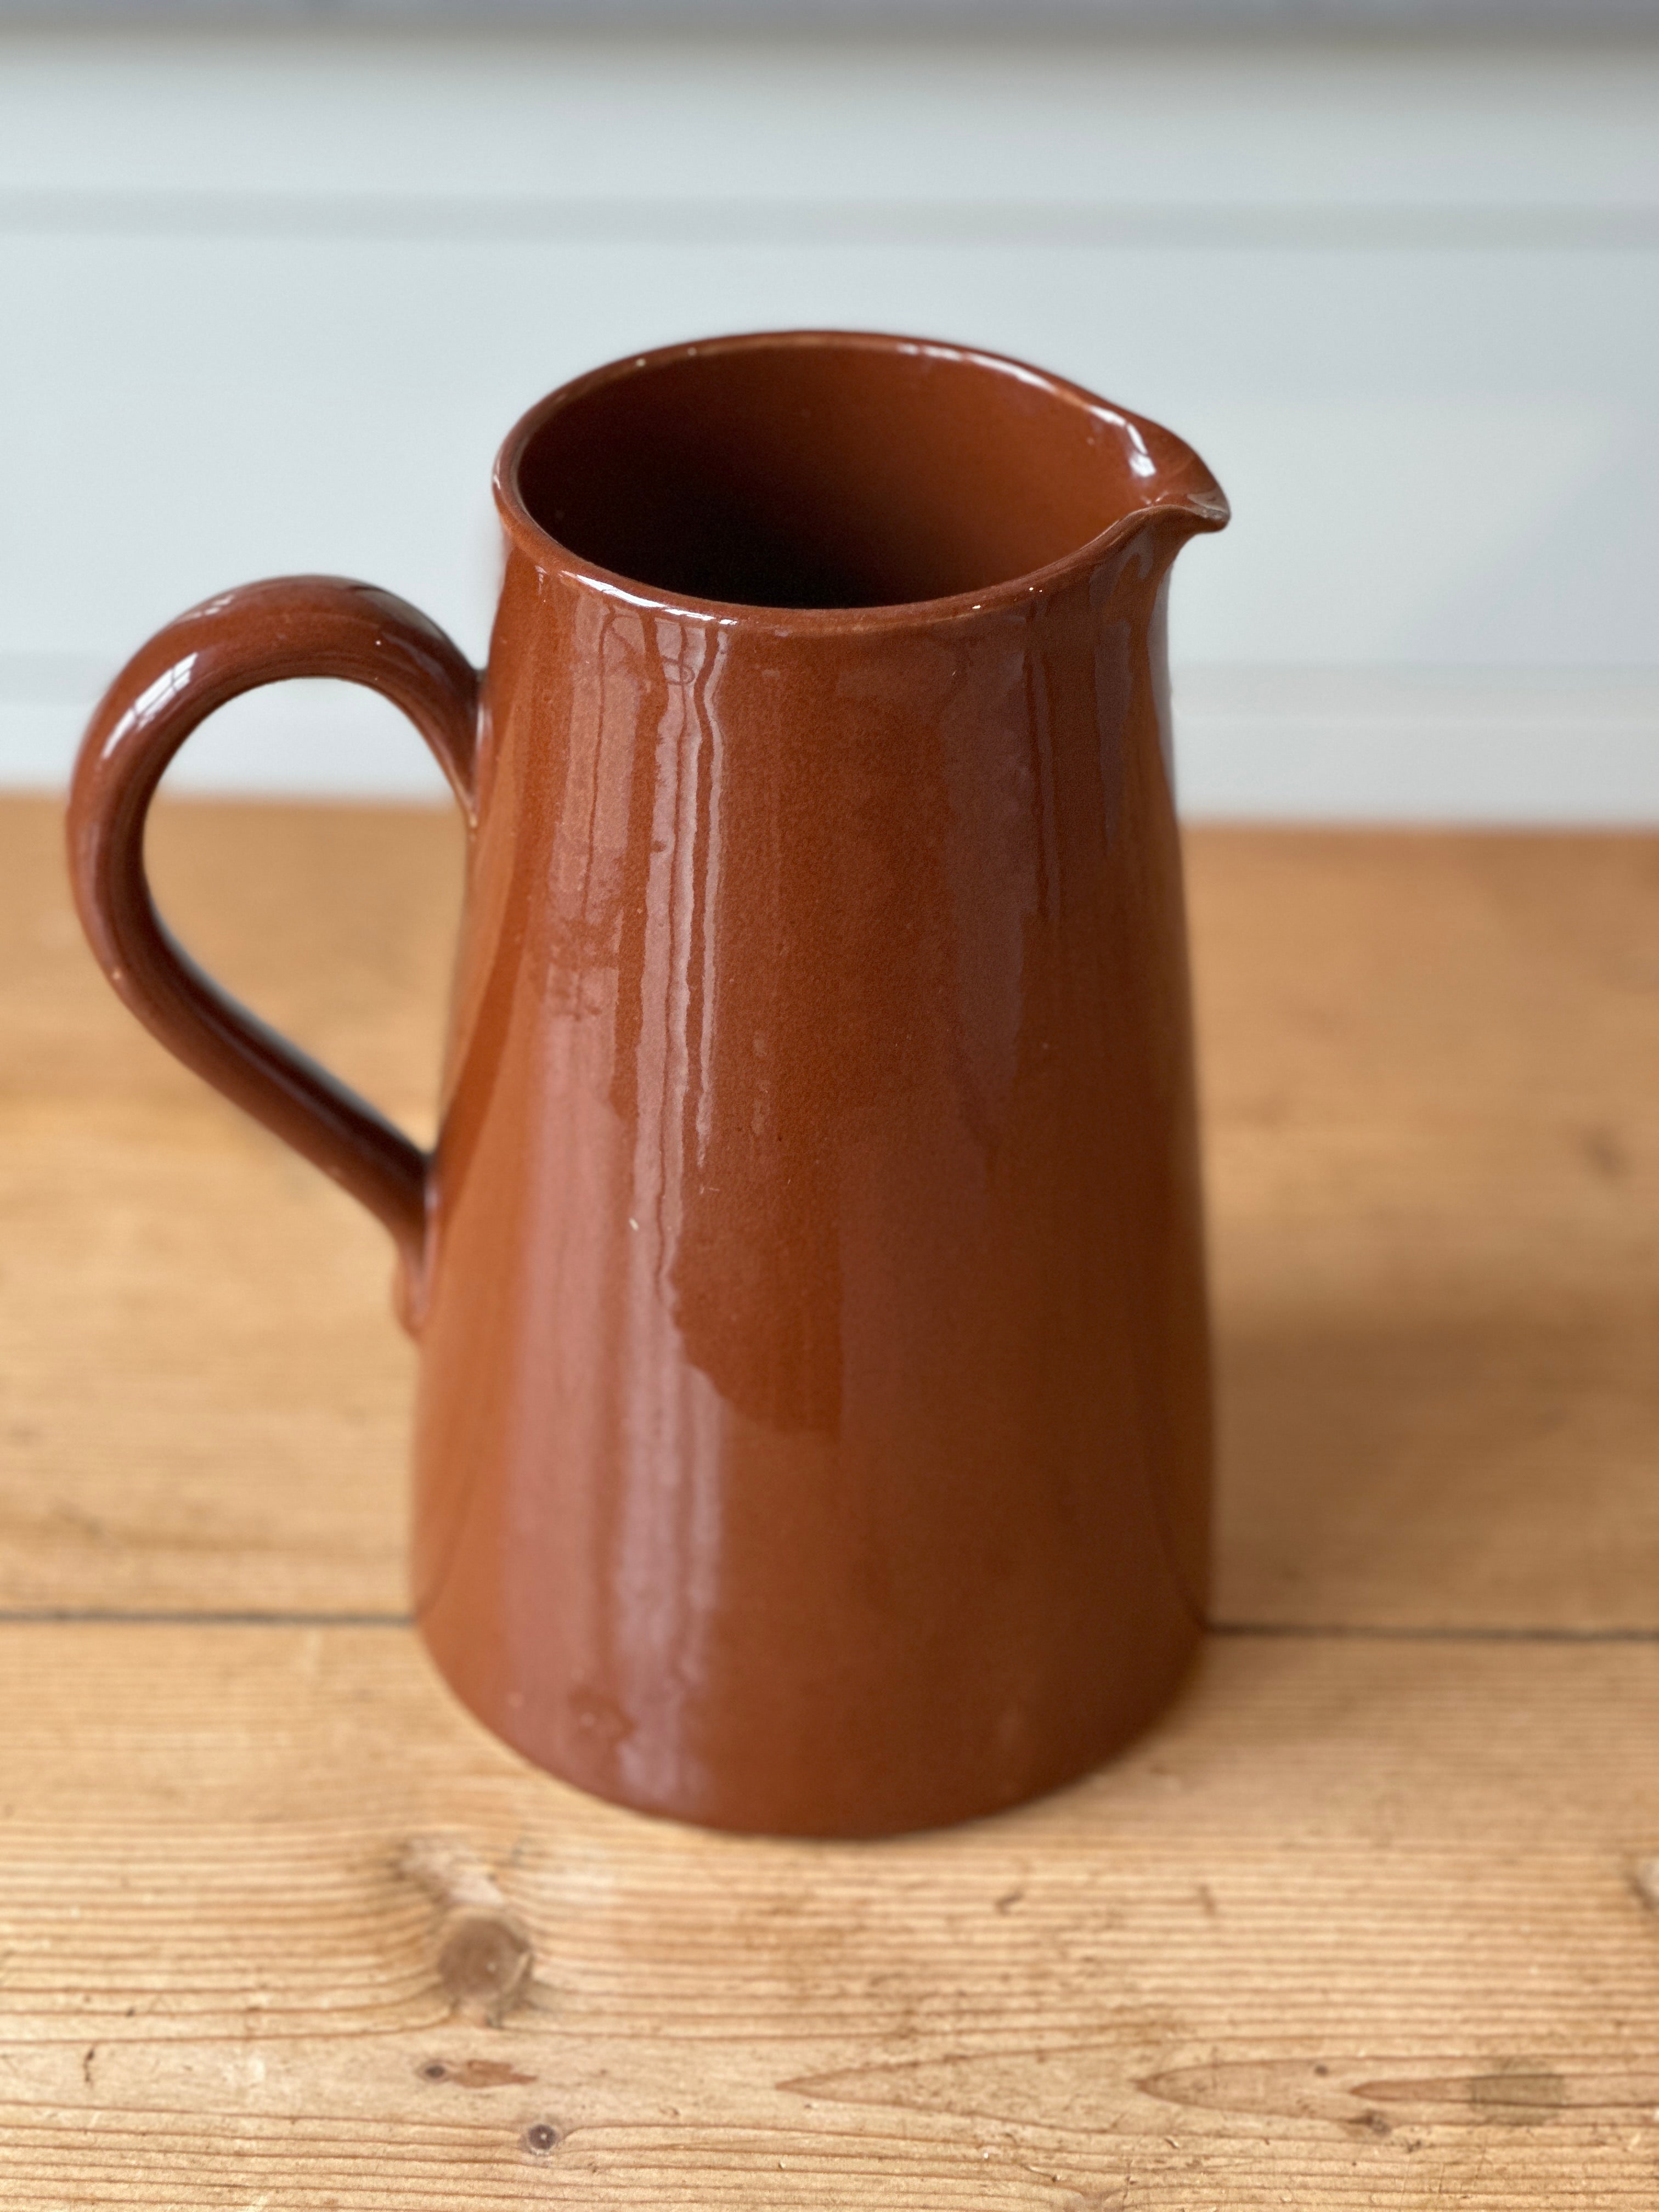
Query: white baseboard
pixel 293 741
pixel 1403 297
pixel 1556 746
pixel 1252 745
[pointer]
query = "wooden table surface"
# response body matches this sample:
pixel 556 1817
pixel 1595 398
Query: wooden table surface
pixel 1372 1919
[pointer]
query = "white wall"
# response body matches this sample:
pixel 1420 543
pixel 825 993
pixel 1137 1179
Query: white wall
pixel 270 303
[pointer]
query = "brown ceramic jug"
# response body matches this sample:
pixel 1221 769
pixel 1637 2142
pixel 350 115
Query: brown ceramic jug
pixel 813 1427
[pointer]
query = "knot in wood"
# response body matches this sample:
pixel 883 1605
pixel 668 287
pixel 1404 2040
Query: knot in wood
pixel 484 1960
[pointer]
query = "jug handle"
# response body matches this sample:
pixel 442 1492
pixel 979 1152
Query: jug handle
pixel 259 634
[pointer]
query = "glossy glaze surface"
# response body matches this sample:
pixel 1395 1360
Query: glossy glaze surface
pixel 814 1412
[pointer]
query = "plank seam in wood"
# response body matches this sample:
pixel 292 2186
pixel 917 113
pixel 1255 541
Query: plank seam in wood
pixel 120 1616
pixel 1402 1632
pixel 1304 1632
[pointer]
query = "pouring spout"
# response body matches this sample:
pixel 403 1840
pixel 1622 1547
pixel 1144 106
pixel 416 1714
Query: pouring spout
pixel 1163 478
pixel 1202 507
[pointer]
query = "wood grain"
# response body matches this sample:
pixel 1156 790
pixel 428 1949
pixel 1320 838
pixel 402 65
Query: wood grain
pixel 1338 1934
pixel 203 1398
pixel 1431 1072
pixel 1431 1068
pixel 1371 1919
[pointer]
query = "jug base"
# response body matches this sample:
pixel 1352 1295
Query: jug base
pixel 875 1804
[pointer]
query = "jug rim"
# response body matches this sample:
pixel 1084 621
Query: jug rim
pixel 1189 495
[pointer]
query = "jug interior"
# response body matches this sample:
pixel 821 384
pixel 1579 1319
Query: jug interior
pixel 825 472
